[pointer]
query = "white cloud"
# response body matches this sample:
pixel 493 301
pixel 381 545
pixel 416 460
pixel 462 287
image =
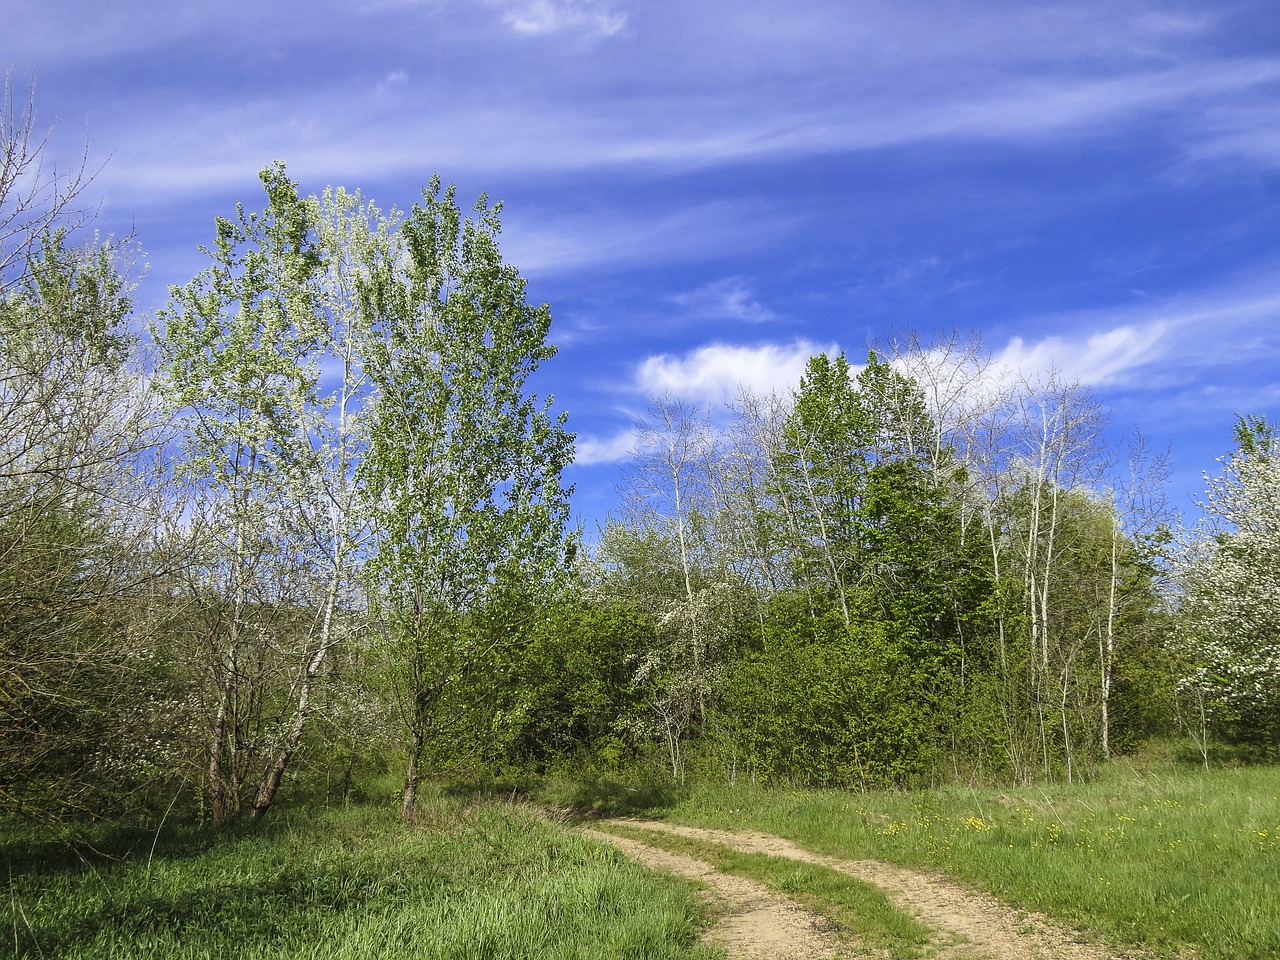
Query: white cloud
pixel 1228 336
pixel 591 451
pixel 337 134
pixel 716 372
pixel 728 299
pixel 1095 359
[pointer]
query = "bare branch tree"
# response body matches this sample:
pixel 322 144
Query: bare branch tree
pixel 37 195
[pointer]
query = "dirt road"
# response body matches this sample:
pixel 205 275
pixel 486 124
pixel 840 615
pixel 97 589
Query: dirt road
pixel 759 924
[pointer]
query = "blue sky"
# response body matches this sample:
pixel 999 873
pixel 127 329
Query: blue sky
pixel 708 192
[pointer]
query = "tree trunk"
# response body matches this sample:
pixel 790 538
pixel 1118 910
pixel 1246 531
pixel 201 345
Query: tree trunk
pixel 413 772
pixel 221 807
pixel 275 772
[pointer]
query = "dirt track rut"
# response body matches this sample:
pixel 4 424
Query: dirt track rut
pixel 758 924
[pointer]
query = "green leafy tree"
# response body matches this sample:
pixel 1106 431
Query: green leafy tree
pixel 698 611
pixel 326 520
pixel 892 586
pixel 236 350
pixel 819 477
pixel 464 463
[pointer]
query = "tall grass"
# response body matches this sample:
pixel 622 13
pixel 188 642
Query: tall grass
pixel 474 882
pixel 1154 858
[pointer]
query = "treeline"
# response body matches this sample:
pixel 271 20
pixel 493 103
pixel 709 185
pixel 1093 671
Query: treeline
pixel 308 524
pixel 902 573
pixel 922 569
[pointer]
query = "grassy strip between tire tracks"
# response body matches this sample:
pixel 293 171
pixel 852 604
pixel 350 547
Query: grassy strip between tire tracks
pixel 854 907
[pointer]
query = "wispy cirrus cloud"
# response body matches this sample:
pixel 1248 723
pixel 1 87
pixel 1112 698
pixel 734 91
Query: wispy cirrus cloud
pixel 194 150
pixel 730 298
pixel 555 244
pixel 1092 359
pixel 541 17
pixel 1152 345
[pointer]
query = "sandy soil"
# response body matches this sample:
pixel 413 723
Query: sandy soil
pixel 757 924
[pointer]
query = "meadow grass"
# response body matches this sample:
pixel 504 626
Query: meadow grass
pixel 473 881
pixel 1159 858
pixel 855 908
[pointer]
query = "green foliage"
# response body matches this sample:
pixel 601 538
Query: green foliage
pixel 76 736
pixel 67 297
pixel 574 676
pixel 74 426
pixel 863 668
pixel 262 358
pixel 475 880
pixel 838 706
pixel 235 344
pixel 65 399
pixel 464 463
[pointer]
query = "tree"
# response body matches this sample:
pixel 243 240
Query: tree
pixel 37 198
pixel 464 464
pixel 76 427
pixel 1138 524
pixel 1230 612
pixel 326 518
pixel 1043 454
pixel 236 356
pixel 672 562
pixel 859 486
pixel 843 438
pixel 819 477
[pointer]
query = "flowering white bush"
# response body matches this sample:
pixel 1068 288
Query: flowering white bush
pixel 1230 580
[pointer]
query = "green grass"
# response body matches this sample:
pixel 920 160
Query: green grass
pixel 1156 858
pixel 854 907
pixel 474 880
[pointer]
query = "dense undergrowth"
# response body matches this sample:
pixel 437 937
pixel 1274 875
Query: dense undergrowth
pixel 472 881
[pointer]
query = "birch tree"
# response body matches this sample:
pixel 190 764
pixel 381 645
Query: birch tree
pixel 236 356
pixel 327 519
pixel 673 496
